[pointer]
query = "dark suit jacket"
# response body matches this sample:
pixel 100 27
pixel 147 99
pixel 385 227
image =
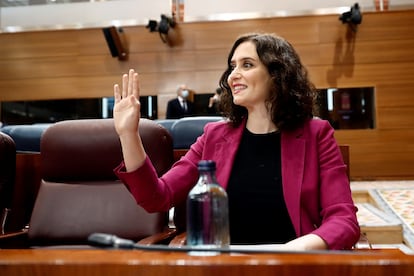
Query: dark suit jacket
pixel 175 111
pixel 315 183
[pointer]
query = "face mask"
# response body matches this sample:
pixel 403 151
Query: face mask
pixel 184 93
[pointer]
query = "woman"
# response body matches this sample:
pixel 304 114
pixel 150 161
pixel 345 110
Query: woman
pixel 281 167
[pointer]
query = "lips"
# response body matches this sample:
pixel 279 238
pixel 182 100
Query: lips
pixel 238 88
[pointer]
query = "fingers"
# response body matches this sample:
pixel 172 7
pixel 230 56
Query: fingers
pixel 130 86
pixel 130 81
pixel 124 85
pixel 117 95
pixel 135 86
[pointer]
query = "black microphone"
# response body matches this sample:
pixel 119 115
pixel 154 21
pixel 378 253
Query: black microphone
pixel 110 241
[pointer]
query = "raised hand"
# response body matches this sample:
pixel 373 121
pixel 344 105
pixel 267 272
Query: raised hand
pixel 127 106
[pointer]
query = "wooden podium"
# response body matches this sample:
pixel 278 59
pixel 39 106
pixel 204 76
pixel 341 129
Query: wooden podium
pixel 69 262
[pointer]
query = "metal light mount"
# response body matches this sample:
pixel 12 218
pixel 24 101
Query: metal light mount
pixel 162 27
pixel 352 17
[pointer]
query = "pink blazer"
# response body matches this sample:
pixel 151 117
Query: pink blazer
pixel 315 183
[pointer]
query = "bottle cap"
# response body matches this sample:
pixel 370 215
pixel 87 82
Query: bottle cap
pixel 206 165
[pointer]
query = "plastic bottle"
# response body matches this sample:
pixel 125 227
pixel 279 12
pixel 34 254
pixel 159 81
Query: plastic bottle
pixel 207 211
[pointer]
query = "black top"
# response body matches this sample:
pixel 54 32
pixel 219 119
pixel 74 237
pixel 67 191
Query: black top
pixel 257 208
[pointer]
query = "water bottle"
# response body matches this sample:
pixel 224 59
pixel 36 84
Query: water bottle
pixel 207 211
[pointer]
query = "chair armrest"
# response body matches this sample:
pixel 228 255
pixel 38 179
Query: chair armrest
pixel 3 219
pixel 178 153
pixel 179 240
pixel 159 238
pixel 15 240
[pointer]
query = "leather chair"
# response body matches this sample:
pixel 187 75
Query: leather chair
pixel 185 132
pixel 7 177
pixel 346 157
pixel 26 137
pixel 167 123
pixel 79 193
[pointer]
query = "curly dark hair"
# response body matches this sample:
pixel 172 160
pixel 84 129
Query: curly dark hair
pixel 292 96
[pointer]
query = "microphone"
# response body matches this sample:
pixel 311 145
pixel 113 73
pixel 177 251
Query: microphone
pixel 112 241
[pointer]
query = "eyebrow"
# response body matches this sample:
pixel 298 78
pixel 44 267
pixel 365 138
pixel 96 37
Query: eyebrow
pixel 243 59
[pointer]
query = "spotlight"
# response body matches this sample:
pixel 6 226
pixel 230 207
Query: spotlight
pixel 162 27
pixel 165 24
pixel 353 16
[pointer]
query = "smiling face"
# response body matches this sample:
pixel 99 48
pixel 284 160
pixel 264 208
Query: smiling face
pixel 249 80
pixel 264 73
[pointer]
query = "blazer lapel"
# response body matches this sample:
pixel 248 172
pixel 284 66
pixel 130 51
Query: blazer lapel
pixel 293 165
pixel 225 151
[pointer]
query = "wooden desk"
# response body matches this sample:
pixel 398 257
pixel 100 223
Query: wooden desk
pixel 125 262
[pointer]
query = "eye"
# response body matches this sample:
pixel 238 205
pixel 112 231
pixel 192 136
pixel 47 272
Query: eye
pixel 232 66
pixel 247 64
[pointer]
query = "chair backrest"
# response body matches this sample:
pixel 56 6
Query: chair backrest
pixel 186 130
pixel 80 194
pixel 345 156
pixel 26 137
pixel 167 123
pixel 7 176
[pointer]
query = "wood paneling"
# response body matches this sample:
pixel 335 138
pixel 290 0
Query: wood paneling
pixel 379 154
pixel 77 64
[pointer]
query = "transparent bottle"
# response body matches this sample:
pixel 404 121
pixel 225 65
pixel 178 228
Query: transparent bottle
pixel 207 211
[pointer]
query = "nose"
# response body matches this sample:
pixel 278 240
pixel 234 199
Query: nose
pixel 235 74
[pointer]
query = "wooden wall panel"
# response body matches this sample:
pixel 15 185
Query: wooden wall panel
pixel 396 118
pixel 379 154
pixel 38 44
pixel 394 94
pixel 362 74
pixel 77 64
pixel 375 27
pixel 343 53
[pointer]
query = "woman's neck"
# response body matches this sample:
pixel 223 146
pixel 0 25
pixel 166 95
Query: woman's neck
pixel 260 123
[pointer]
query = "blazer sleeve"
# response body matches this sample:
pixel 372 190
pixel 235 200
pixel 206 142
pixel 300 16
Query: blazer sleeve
pixel 155 193
pixel 149 191
pixel 339 226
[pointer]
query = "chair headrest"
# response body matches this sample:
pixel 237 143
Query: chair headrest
pixel 89 149
pixel 26 137
pixel 185 131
